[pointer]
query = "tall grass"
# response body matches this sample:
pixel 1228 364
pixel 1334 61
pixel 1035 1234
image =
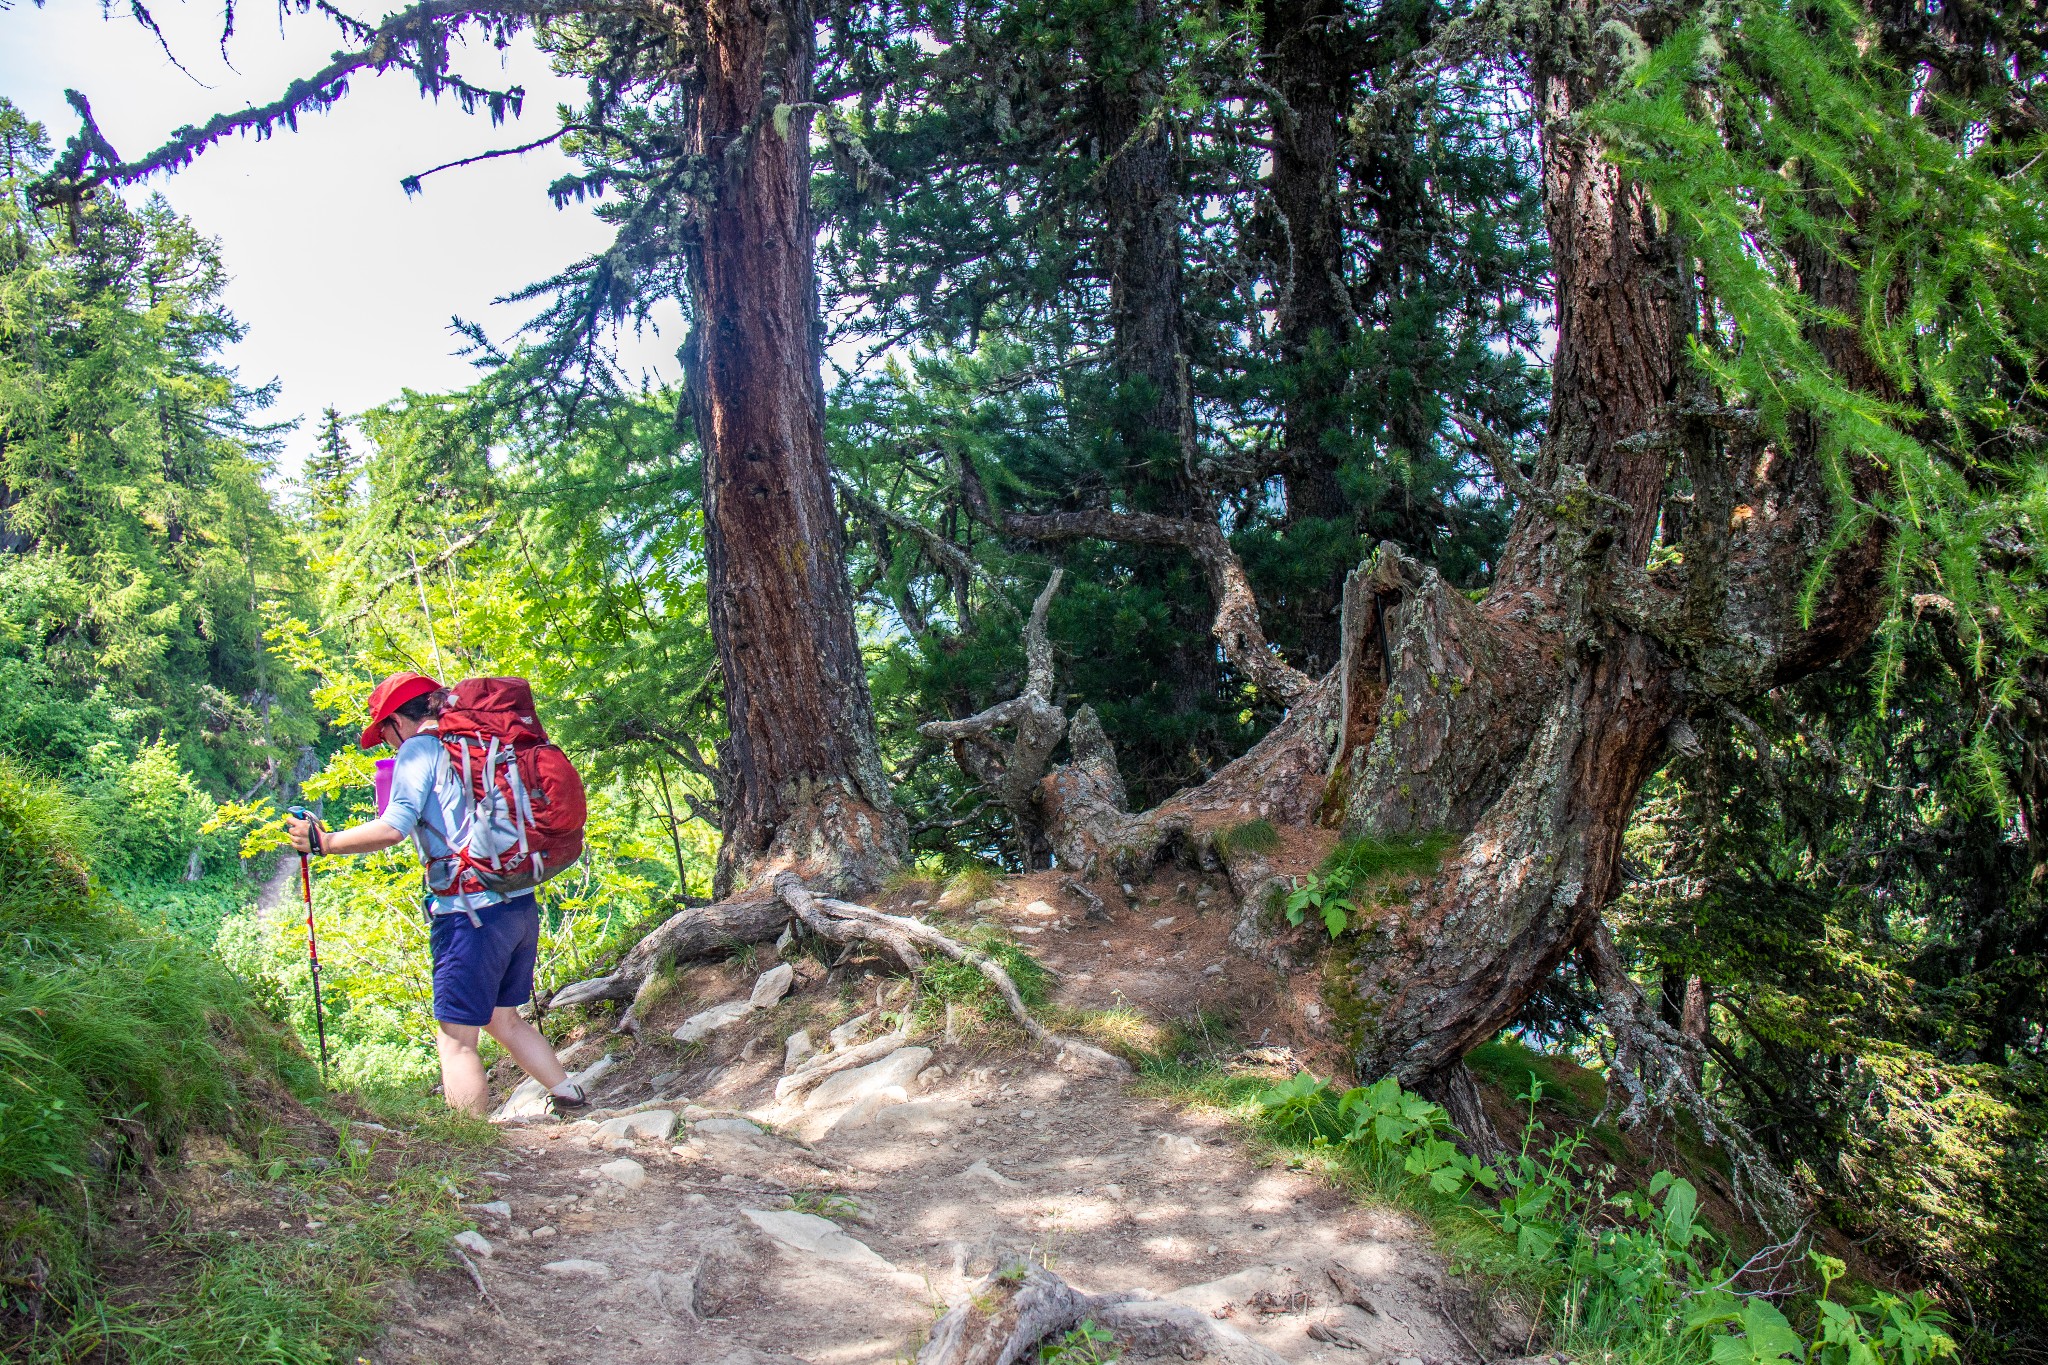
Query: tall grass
pixel 115 1039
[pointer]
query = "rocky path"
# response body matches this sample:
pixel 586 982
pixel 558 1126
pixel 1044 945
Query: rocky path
pixel 736 1230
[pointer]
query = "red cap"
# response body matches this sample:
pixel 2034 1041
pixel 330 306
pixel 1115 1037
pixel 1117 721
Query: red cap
pixel 394 692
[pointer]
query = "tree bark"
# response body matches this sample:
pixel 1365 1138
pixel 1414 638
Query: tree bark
pixel 1529 723
pixel 807 790
pixel 1152 407
pixel 1307 58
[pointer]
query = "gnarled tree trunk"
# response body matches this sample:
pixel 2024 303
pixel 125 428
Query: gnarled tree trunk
pixel 1527 723
pixel 806 791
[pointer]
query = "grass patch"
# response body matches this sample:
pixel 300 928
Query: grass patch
pixel 1359 861
pixel 307 1295
pixel 946 982
pixel 918 880
pixel 1569 1089
pixel 1361 875
pixel 125 1046
pixel 1125 1031
pixel 1252 836
pixel 968 885
pixel 116 1039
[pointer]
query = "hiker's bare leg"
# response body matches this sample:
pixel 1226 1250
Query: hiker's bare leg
pixel 462 1070
pixel 528 1045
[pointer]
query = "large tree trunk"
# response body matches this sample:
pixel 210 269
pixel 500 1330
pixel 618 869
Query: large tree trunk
pixel 806 787
pixel 1306 55
pixel 1530 724
pixel 1141 255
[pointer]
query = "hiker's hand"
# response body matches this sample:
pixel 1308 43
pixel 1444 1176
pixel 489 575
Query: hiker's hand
pixel 300 832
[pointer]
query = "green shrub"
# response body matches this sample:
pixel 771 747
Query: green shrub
pixel 151 813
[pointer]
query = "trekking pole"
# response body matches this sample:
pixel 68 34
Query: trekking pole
pixel 312 936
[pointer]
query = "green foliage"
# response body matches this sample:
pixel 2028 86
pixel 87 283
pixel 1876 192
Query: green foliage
pixel 137 541
pixel 152 812
pixel 1868 929
pixel 1620 1270
pixel 1361 870
pixel 1082 1344
pixel 1779 136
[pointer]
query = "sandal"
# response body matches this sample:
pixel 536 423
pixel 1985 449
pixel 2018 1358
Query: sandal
pixel 559 1103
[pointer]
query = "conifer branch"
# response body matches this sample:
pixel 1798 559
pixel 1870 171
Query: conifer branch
pixel 415 40
pixel 455 547
pixel 411 183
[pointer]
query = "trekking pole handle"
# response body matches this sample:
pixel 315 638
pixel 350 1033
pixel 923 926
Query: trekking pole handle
pixel 312 825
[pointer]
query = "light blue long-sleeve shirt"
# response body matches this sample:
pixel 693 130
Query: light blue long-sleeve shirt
pixel 427 804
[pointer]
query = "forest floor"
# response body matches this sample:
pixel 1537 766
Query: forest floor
pixel 835 1233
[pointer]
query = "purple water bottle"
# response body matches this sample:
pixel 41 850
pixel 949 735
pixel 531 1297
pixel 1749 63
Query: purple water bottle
pixel 383 782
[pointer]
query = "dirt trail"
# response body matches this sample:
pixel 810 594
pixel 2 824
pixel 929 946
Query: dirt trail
pixel 838 1233
pixel 279 898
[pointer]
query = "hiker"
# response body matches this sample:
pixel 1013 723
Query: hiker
pixel 484 942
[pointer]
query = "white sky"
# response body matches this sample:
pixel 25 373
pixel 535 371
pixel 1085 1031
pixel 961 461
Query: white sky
pixel 346 285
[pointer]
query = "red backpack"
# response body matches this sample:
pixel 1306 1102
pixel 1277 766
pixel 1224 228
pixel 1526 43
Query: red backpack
pixel 527 805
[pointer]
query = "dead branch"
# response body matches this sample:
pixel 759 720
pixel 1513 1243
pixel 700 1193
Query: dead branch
pixel 1654 1065
pixel 1078 889
pixel 1236 628
pixel 952 559
pixel 1013 776
pixel 415 40
pixel 455 547
pixel 476 1277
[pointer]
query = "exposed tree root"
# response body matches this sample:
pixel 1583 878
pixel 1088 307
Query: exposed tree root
pixel 817 1068
pixel 1021 1305
pixel 709 930
pixel 698 931
pixel 844 922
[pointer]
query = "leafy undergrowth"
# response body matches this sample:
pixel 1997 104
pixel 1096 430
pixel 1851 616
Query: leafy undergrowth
pixel 1359 876
pixel 157 1125
pixel 1621 1270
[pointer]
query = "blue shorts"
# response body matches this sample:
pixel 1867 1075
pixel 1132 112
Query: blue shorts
pixel 478 970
